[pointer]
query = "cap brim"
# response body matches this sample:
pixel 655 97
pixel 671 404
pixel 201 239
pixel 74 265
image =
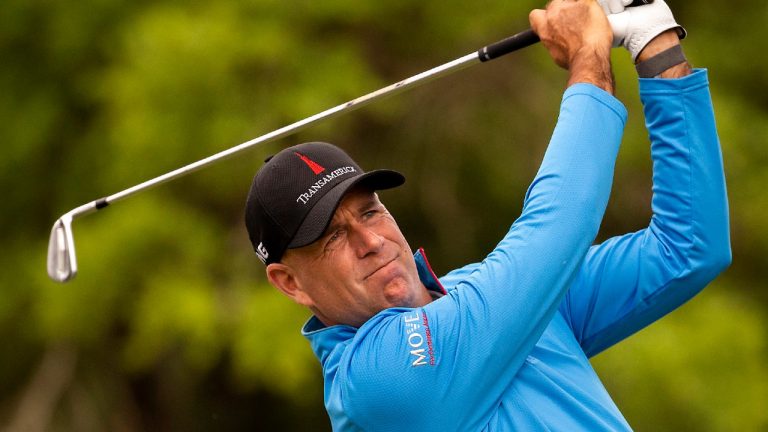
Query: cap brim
pixel 319 217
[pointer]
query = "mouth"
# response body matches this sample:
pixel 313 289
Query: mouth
pixel 380 267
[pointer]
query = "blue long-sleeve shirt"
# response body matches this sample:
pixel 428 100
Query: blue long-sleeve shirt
pixel 507 345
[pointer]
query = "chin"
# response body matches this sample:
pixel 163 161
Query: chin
pixel 399 294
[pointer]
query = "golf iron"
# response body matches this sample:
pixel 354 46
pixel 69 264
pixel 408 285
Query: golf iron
pixel 62 261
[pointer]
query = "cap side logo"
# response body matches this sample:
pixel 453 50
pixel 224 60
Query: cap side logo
pixel 314 166
pixel 262 253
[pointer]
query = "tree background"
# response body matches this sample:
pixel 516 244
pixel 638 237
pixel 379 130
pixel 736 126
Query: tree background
pixel 170 324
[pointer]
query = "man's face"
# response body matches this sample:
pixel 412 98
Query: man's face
pixel 361 265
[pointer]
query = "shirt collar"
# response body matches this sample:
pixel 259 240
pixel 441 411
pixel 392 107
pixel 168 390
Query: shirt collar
pixel 426 275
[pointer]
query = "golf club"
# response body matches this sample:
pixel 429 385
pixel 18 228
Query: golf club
pixel 62 261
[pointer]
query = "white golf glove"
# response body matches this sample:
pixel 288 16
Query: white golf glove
pixel 637 26
pixel 614 6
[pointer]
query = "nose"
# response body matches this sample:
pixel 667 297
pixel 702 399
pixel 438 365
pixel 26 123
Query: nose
pixel 366 241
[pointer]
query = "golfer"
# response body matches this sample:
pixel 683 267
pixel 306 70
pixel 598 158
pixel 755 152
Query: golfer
pixel 503 344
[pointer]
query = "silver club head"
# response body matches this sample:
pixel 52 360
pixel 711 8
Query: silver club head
pixel 62 264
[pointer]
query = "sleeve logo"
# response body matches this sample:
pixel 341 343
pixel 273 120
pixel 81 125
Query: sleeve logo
pixel 419 338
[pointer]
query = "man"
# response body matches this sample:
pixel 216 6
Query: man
pixel 504 344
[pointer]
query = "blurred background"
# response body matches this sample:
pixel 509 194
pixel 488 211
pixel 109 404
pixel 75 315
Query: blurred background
pixel 170 324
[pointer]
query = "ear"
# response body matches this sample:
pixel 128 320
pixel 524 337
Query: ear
pixel 284 278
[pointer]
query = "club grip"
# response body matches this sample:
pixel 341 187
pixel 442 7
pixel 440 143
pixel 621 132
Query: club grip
pixel 523 39
pixel 506 46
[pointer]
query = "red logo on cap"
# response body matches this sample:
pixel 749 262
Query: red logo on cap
pixel 314 166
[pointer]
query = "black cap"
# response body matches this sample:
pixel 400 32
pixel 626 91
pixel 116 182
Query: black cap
pixel 295 194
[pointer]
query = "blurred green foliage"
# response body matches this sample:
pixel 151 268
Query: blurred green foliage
pixel 171 325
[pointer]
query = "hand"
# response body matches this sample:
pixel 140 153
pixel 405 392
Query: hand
pixel 636 27
pixel 578 37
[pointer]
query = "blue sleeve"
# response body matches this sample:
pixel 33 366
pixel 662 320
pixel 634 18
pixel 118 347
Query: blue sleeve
pixel 445 366
pixel 628 282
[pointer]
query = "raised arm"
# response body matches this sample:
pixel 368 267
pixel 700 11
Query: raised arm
pixel 628 282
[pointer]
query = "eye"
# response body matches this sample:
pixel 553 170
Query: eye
pixel 372 212
pixel 332 238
